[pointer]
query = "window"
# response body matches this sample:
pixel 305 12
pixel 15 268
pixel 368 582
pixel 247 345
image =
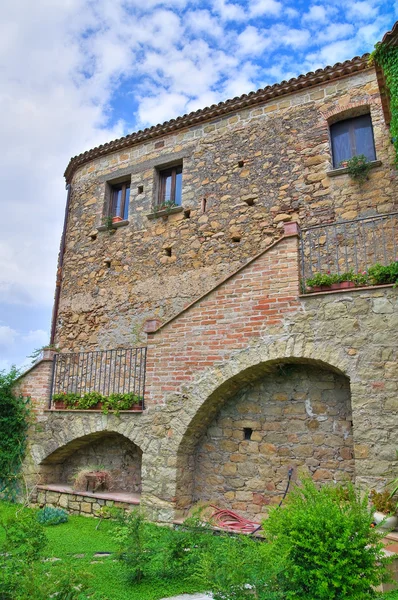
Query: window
pixel 352 137
pixel 120 196
pixel 170 186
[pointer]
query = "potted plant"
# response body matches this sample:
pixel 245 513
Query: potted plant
pixel 385 513
pixel 116 219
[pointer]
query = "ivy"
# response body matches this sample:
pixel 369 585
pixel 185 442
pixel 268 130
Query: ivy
pixel 14 422
pixel 387 58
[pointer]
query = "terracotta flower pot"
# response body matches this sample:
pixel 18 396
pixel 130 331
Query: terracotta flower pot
pixel 343 285
pixel 116 219
pixel 59 404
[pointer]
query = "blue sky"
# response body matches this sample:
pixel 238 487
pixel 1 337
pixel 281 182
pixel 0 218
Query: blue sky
pixel 78 73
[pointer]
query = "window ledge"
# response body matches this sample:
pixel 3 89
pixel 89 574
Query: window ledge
pixel 114 226
pixel 344 170
pixel 165 212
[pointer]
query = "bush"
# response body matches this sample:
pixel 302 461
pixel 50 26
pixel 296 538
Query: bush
pixel 325 537
pixel 52 516
pixel 14 414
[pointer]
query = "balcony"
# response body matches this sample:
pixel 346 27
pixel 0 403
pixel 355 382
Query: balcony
pixel 107 380
pixel 343 255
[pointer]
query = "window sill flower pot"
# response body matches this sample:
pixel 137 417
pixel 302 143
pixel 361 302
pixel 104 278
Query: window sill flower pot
pixel 390 522
pixel 342 285
pixel 319 288
pixel 117 219
pixel 59 404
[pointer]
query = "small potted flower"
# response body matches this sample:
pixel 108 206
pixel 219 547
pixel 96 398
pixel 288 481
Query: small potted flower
pixel 117 219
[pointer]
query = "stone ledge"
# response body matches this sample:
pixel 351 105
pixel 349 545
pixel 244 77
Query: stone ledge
pixel 165 213
pixel 114 226
pixel 344 170
pixel 348 290
pixel 138 411
pixel 126 497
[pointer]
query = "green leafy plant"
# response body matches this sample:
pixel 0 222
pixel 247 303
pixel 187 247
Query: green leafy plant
pixel 321 279
pixel 380 274
pixel 386 56
pixel 358 168
pixel 114 402
pixel 14 422
pixel 329 547
pixel 37 352
pixel 107 222
pixel 52 516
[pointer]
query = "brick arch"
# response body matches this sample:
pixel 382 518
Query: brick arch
pixel 222 383
pixel 352 109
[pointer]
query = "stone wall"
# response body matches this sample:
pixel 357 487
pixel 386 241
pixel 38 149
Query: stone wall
pixel 221 346
pixel 77 504
pixel 255 169
pixel 296 417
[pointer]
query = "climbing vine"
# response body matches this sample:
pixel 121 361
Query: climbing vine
pixel 14 422
pixel 387 58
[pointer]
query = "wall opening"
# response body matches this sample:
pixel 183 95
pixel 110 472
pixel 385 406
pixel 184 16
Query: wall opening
pixel 296 415
pixel 105 450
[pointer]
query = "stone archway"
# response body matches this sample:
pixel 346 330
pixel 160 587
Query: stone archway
pixel 107 450
pixel 303 420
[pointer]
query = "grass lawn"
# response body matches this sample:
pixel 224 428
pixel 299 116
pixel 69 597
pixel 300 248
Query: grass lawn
pixel 76 543
pixel 79 536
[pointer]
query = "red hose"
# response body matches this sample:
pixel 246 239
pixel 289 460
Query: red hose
pixel 230 521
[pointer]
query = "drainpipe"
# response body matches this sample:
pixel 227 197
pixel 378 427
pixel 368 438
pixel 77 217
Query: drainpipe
pixel 59 268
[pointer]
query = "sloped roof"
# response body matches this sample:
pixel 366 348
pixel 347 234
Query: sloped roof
pixel 311 79
pixel 391 37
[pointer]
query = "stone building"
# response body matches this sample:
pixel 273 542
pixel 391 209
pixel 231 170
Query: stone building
pixel 192 241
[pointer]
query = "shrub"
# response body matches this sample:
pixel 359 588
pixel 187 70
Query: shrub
pixel 326 539
pixel 14 416
pixel 52 516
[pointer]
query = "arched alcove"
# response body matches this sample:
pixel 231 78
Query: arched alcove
pixel 101 450
pixel 238 448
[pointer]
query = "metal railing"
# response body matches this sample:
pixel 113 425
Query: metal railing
pixel 107 372
pixel 350 245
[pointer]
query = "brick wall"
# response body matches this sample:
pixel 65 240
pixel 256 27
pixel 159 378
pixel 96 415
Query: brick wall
pixel 226 320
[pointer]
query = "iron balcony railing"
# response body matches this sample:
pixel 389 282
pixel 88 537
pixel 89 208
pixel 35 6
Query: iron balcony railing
pixel 350 245
pixel 120 371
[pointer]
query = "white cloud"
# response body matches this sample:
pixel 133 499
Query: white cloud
pixel 335 31
pixel 7 336
pixel 316 14
pixel 264 7
pixel 252 42
pixel 361 10
pixel 38 337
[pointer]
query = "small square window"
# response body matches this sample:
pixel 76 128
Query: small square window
pixel 170 187
pixel 120 196
pixel 352 137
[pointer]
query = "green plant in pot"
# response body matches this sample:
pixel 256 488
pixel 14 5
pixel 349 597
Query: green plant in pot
pixel 358 168
pixel 385 509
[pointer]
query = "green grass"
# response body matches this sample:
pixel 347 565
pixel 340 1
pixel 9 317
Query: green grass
pixel 79 536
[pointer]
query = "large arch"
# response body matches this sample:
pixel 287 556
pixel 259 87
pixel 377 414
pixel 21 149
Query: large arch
pixel 99 450
pixel 218 387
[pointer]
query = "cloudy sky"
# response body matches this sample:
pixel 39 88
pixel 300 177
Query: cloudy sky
pixel 77 73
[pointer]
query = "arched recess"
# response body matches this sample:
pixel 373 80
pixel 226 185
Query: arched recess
pixel 105 449
pixel 293 412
